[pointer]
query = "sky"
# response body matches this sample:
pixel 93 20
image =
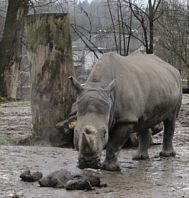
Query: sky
pixel 139 1
pixel 143 1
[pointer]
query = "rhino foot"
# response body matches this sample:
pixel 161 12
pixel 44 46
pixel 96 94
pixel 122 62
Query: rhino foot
pixel 111 166
pixel 170 153
pixel 138 156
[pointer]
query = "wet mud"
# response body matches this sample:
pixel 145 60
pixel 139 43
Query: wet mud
pixel 153 178
pixel 15 121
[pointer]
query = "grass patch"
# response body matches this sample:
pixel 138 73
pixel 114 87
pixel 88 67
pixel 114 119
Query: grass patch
pixel 184 82
pixel 15 104
pixel 2 99
pixel 22 104
pixel 27 141
pixel 13 101
pixel 30 140
pixel 8 140
pixel 8 99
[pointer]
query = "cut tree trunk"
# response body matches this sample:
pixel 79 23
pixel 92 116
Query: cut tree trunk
pixel 11 47
pixel 49 50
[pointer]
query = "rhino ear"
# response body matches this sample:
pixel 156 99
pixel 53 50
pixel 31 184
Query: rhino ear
pixel 76 85
pixel 111 86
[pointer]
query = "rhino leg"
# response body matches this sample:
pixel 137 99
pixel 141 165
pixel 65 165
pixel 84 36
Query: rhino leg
pixel 144 142
pixel 117 139
pixel 169 127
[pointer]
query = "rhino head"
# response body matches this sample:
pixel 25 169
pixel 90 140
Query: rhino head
pixel 94 117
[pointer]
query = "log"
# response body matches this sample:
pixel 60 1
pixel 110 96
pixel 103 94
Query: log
pixel 49 50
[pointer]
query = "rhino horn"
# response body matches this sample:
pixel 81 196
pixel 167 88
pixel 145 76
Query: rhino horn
pixel 87 143
pixel 85 139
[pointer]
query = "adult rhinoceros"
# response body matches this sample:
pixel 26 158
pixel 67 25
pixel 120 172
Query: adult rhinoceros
pixel 123 95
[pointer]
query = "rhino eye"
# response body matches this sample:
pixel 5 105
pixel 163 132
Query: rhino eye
pixel 104 133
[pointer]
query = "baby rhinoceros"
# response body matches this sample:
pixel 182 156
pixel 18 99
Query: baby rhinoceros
pixel 64 179
pixel 56 179
pixel 83 183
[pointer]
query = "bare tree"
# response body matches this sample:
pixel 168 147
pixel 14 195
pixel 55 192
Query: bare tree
pixel 113 25
pixel 173 29
pixel 122 25
pixel 3 11
pixel 11 47
pixel 116 24
pixel 147 17
pixel 85 33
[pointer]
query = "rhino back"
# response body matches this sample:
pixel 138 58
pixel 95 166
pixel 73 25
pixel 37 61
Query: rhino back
pixel 146 86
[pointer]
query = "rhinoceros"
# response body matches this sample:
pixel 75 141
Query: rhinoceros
pixel 124 95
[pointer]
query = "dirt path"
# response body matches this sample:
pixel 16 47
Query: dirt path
pixel 15 121
pixel 154 178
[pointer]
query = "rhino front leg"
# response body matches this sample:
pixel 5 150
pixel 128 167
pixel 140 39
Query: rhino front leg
pixel 117 139
pixel 144 142
pixel 169 128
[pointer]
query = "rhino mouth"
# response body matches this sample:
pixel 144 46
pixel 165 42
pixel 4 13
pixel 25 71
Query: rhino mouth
pixel 89 162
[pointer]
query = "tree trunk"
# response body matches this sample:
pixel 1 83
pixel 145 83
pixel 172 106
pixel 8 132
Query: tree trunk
pixel 151 35
pixel 188 81
pixel 49 50
pixel 11 47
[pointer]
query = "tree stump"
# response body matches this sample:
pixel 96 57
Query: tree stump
pixel 49 50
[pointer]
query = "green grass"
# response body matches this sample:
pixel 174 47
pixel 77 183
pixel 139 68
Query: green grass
pixel 24 103
pixel 8 99
pixel 15 104
pixel 184 82
pixel 8 140
pixel 3 99
pixel 17 140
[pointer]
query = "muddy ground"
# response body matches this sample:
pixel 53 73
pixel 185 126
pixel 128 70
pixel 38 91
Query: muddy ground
pixel 153 178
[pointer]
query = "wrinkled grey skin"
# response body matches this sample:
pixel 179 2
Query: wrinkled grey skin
pixel 64 179
pixel 56 179
pixel 124 95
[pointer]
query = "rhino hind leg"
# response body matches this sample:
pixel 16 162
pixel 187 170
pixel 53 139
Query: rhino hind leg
pixel 117 139
pixel 144 142
pixel 169 128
